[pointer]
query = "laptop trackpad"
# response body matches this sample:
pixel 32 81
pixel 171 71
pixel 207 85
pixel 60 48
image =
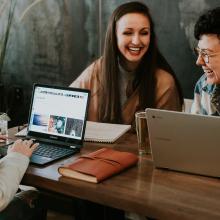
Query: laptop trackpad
pixel 35 159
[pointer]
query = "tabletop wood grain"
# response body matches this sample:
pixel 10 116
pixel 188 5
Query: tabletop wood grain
pixel 143 189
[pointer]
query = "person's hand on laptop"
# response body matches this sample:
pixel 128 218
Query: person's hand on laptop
pixel 25 147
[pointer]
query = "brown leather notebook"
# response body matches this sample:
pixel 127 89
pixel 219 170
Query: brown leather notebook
pixel 98 165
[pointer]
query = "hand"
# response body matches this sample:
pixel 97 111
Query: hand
pixel 25 147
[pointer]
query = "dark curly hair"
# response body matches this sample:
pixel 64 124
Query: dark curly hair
pixel 208 23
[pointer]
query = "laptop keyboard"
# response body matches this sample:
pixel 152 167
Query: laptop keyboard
pixel 53 151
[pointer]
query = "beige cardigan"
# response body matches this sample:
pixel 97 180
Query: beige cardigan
pixel 166 93
pixel 12 169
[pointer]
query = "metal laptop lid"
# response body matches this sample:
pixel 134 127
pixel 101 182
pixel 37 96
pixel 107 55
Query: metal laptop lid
pixel 185 142
pixel 58 114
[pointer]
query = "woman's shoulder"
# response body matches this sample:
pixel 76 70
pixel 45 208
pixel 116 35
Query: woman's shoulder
pixel 89 75
pixel 93 68
pixel 164 78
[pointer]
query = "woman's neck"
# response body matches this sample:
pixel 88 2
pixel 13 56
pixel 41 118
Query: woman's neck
pixel 127 65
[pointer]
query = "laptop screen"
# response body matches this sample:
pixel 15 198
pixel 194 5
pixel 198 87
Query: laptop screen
pixel 58 113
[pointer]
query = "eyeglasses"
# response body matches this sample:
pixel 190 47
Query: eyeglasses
pixel 205 56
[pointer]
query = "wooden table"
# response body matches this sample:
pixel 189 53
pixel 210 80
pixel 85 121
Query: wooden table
pixel 142 189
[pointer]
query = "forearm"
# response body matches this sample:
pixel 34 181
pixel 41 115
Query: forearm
pixel 12 169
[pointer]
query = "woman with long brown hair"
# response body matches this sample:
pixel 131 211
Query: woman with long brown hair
pixel 132 74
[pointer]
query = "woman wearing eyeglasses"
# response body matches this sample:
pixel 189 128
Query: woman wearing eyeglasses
pixel 207 89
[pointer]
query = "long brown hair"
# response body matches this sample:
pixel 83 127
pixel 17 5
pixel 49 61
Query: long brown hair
pixel 145 82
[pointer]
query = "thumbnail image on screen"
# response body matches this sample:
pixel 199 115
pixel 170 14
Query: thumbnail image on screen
pixel 56 124
pixel 74 127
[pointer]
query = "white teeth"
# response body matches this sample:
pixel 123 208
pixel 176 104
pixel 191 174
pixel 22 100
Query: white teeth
pixel 134 48
pixel 208 72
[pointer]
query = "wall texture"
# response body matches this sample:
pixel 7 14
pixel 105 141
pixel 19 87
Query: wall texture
pixel 55 40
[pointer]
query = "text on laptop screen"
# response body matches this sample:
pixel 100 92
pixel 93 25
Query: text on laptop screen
pixel 58 112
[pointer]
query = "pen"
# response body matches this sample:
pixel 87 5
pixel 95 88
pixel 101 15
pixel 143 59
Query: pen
pixel 22 127
pixel 7 144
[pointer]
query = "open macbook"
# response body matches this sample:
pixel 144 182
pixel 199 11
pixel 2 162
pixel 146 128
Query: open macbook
pixel 57 121
pixel 185 142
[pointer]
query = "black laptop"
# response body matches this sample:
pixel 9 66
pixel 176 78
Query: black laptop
pixel 57 120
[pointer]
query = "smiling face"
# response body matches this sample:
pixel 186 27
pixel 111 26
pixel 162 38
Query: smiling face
pixel 210 44
pixel 133 38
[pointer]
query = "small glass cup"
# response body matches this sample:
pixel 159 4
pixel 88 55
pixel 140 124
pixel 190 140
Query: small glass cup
pixel 142 133
pixel 4 125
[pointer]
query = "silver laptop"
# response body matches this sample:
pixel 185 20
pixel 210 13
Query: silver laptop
pixel 185 142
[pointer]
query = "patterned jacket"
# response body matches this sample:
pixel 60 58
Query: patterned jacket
pixel 206 98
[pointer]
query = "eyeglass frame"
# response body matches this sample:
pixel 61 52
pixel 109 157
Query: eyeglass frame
pixel 205 56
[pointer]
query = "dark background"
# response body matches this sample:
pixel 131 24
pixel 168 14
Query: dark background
pixel 56 40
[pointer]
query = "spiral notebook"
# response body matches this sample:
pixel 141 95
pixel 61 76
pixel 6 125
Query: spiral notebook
pixel 98 132
pixel 104 132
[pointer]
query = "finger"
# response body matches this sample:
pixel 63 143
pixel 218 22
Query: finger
pixel 17 142
pixel 29 142
pixel 24 142
pixel 34 146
